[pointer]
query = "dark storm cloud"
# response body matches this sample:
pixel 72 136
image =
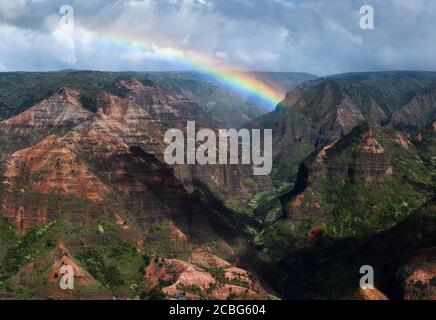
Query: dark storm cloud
pixel 317 36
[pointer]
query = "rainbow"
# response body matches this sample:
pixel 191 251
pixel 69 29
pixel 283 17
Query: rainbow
pixel 245 83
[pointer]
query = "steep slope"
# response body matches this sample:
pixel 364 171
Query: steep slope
pixel 233 185
pixel 415 115
pixel 364 199
pixel 164 105
pixel 123 120
pixel 353 188
pixel 93 178
pixel 146 195
pixel 227 108
pixel 135 227
pixel 390 91
pixel 103 260
pixel 306 120
pixel 418 275
pixel 319 111
pixel 55 115
pixel 44 173
pixel 426 144
pixel 50 167
pixel 122 144
pixel 85 286
pixel 231 188
pixel 402 258
pixel 204 276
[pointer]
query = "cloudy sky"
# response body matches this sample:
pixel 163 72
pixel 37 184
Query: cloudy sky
pixel 316 36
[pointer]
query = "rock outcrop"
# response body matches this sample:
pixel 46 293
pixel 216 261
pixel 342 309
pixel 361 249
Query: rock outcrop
pixel 318 112
pixel 372 295
pixel 41 180
pixel 55 115
pixel 418 275
pixel 205 276
pixel 49 268
pixel 164 105
pixel 51 167
pixel 359 157
pixel 415 115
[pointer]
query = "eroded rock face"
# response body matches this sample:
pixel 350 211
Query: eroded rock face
pixel 58 168
pixel 34 178
pixel 58 110
pixel 418 275
pixel 370 162
pixel 130 122
pixel 364 158
pixel 309 118
pixel 125 124
pixel 49 267
pixel 327 111
pixel 372 295
pixel 57 114
pixel 318 112
pixel 203 259
pixel 357 156
pixel 164 105
pixel 205 276
pixel 347 117
pixel 225 181
pixel 112 160
pixel 52 168
pixel 109 165
pixel 104 142
pixel 415 115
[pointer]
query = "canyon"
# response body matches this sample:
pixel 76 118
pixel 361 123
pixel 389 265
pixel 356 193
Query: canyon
pixel 84 181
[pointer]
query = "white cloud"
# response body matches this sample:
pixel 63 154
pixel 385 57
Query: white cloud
pixel 2 67
pixel 221 55
pixel 12 9
pixel 316 36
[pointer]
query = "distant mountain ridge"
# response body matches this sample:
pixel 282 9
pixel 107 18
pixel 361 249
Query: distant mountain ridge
pixel 227 108
pixel 318 111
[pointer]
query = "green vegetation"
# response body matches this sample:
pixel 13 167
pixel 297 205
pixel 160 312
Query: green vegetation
pixel 390 90
pixel 278 239
pixel 158 242
pixel 332 273
pixel 339 206
pixel 352 200
pixel 219 275
pixel 361 210
pixel 37 242
pixel 21 90
pixel 8 237
pixel 191 289
pixel 113 262
pixel 287 167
